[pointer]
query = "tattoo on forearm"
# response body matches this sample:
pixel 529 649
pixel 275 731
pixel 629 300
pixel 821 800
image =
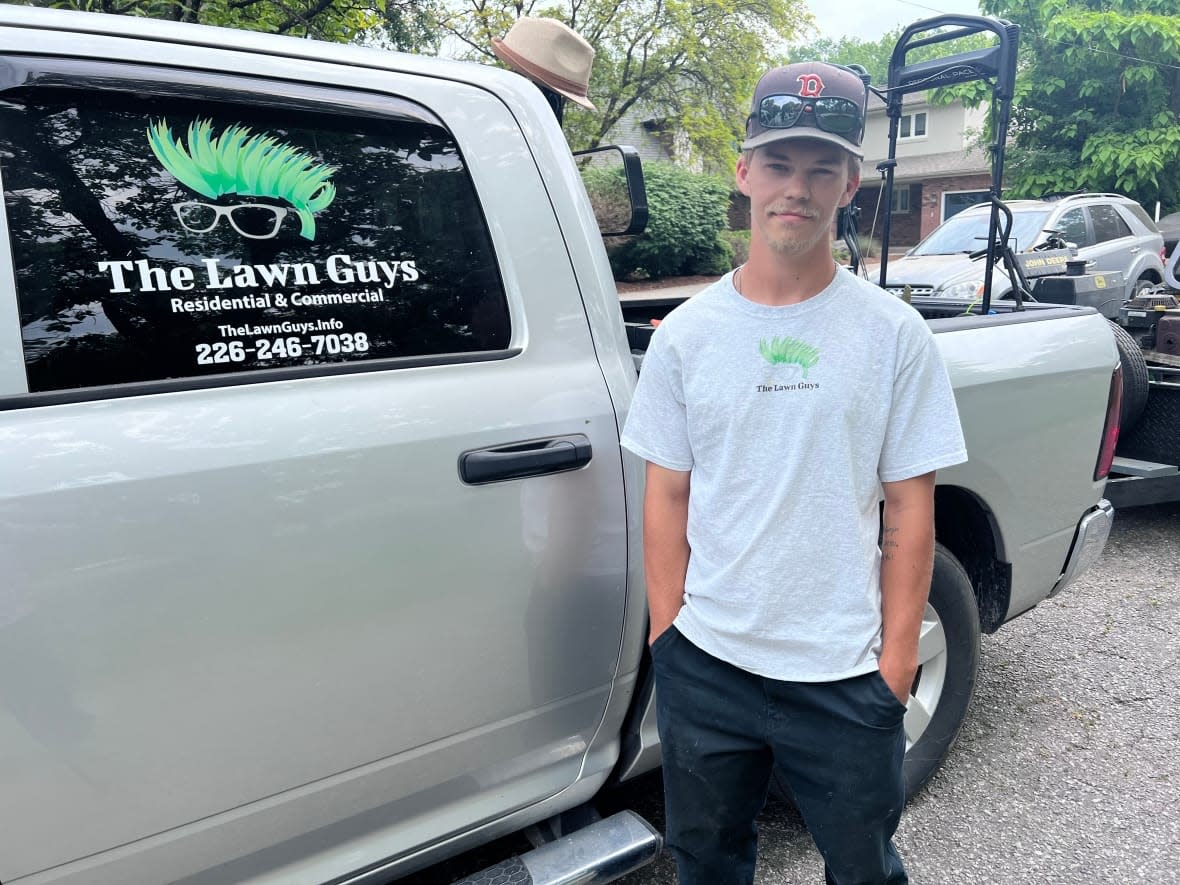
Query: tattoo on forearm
pixel 888 544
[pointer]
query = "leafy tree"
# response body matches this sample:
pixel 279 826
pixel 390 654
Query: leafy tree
pixel 693 63
pixel 1098 98
pixel 874 55
pixel 397 24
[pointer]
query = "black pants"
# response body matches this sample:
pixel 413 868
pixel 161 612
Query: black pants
pixel 839 745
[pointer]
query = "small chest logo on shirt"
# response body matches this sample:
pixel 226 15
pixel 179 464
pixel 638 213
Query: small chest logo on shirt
pixel 791 360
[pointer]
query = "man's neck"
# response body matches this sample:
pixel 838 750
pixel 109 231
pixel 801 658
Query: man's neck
pixel 775 279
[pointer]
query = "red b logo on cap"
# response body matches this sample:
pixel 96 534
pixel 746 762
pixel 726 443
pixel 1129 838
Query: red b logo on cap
pixel 810 85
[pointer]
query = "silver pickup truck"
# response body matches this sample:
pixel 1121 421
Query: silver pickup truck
pixel 320 557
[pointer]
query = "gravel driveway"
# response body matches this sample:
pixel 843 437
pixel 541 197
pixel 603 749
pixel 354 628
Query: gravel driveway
pixel 1068 769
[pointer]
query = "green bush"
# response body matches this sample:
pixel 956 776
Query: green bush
pixel 739 243
pixel 607 188
pixel 684 230
pixel 712 260
pixel 869 248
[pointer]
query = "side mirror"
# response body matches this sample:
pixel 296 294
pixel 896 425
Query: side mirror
pixel 613 175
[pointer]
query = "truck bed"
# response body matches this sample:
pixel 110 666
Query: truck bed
pixel 1031 387
pixel 944 315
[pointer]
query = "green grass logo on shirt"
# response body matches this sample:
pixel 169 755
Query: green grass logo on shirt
pixel 789 352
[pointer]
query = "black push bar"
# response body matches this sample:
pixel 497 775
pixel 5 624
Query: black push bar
pixel 996 63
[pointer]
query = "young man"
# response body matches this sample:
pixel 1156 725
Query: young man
pixel 776 410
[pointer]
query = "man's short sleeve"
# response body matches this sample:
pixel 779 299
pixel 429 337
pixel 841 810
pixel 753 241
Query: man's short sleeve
pixel 923 433
pixel 657 426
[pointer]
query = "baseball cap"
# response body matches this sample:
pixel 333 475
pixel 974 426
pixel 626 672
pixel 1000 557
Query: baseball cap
pixel 808 100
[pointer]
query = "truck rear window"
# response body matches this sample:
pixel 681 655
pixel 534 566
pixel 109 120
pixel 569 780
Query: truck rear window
pixel 169 237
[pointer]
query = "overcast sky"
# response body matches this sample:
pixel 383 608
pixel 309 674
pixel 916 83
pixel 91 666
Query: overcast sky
pixel 869 19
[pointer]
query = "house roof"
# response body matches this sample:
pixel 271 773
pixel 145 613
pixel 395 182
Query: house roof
pixel 876 105
pixel 972 161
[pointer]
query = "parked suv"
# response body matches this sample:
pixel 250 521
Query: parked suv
pixel 1110 231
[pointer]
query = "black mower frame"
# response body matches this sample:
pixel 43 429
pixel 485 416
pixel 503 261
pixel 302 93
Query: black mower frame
pixel 996 64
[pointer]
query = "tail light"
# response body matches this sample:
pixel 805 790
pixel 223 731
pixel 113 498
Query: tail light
pixel 1110 432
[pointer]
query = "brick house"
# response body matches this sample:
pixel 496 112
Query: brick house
pixel 940 169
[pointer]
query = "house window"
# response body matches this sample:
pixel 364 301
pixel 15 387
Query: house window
pixel 954 202
pixel 912 126
pixel 900 204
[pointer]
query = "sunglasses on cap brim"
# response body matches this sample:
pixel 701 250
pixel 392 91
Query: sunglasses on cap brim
pixel 840 116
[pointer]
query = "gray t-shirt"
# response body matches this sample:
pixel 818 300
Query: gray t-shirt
pixel 789 419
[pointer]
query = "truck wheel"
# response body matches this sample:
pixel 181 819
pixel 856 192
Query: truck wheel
pixel 948 661
pixel 1157 435
pixel 1134 377
pixel 1142 286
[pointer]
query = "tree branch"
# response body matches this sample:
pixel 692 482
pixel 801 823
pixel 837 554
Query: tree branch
pixel 305 17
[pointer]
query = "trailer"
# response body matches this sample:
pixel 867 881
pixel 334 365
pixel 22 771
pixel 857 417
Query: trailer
pixel 1147 464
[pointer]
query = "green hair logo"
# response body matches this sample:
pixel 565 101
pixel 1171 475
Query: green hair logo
pixel 240 162
pixel 789 351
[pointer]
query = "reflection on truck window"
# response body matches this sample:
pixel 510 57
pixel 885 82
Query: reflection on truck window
pixel 158 239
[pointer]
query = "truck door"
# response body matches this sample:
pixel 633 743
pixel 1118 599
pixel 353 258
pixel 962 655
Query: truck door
pixel 310 527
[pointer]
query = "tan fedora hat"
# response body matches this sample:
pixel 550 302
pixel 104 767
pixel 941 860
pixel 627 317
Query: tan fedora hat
pixel 550 52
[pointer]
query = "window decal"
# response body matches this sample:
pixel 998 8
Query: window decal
pixel 241 163
pixel 157 237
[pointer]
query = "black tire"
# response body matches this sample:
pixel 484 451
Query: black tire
pixel 1142 286
pixel 1157 435
pixel 1135 387
pixel 952 599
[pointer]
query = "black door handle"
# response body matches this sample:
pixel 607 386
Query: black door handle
pixel 536 457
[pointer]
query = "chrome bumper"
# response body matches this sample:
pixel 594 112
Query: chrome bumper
pixel 1093 530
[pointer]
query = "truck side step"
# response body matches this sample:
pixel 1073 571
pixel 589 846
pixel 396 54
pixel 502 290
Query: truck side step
pixel 602 852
